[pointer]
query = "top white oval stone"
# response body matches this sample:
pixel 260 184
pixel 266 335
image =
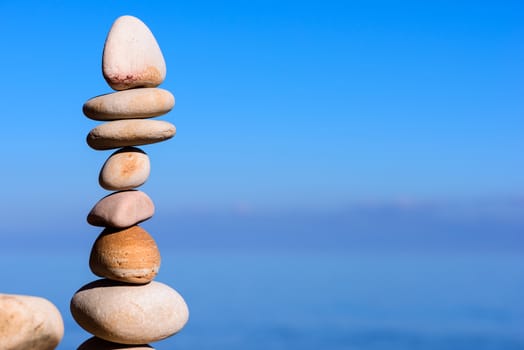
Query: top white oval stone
pixel 132 57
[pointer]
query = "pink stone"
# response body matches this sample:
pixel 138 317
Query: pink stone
pixel 121 209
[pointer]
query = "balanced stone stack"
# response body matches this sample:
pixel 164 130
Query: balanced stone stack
pixel 126 308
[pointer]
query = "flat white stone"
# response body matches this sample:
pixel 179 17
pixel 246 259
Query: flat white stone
pixel 129 314
pixel 130 104
pixel 127 168
pixel 130 132
pixel 29 322
pixel 121 209
pixel 132 57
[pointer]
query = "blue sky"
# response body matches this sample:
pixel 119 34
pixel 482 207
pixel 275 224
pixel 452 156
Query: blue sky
pixel 281 107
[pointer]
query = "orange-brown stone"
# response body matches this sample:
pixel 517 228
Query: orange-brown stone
pixel 129 255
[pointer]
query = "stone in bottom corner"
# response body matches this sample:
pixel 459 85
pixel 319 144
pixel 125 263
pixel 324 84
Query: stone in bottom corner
pixel 95 343
pixel 29 322
pixel 129 313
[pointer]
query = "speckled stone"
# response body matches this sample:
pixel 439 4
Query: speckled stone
pixel 132 57
pixel 130 132
pixel 95 343
pixel 125 169
pixel 29 322
pixel 130 104
pixel 129 255
pixel 121 209
pixel 129 314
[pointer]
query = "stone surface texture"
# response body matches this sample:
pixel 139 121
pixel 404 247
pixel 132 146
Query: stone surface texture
pixel 132 57
pixel 130 104
pixel 130 132
pixel 129 314
pixel 29 322
pixel 95 343
pixel 121 209
pixel 129 255
pixel 125 169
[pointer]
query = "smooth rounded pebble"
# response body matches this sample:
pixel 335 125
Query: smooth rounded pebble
pixel 129 314
pixel 131 132
pixel 29 322
pixel 129 255
pixel 130 104
pixel 125 169
pixel 121 209
pixel 95 343
pixel 132 57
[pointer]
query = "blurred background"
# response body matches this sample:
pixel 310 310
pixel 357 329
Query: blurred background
pixel 345 174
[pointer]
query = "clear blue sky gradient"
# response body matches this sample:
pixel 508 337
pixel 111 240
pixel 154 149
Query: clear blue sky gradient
pixel 281 106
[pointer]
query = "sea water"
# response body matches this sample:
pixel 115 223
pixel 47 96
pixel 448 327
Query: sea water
pixel 302 301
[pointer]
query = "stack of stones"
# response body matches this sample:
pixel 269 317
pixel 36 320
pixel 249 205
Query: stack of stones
pixel 126 308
